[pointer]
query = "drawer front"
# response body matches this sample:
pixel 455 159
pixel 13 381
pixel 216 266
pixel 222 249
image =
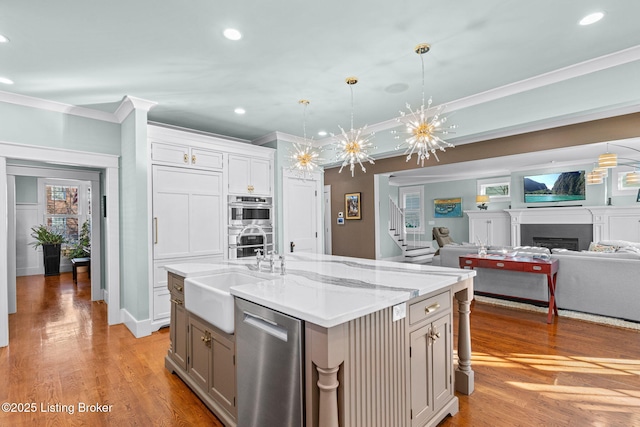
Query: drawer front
pixel 429 307
pixel 176 284
pixel 537 268
pixel 500 264
pixel 468 263
pixel 161 304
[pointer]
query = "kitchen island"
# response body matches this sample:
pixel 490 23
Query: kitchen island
pixel 377 335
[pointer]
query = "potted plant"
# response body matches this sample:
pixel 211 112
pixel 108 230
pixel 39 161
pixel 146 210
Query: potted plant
pixel 82 248
pixel 51 241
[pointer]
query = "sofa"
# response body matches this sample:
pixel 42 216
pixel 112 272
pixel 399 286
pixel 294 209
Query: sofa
pixel 601 282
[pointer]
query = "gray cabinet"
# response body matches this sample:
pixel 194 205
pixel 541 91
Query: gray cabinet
pixel 431 358
pixel 202 355
pixel 179 324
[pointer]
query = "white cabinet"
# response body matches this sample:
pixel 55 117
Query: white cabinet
pixel 187 213
pixel 187 225
pixel 185 156
pixel 492 228
pixel 624 227
pixel 249 175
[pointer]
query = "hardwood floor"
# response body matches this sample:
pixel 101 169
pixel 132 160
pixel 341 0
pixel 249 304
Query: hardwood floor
pixel 62 352
pixel 527 373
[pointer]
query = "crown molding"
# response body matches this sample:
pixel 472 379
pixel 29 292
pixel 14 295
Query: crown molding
pixel 58 107
pixel 128 104
pixel 131 103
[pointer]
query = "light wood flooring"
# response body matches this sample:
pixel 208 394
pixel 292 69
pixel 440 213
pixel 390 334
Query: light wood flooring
pixel 527 373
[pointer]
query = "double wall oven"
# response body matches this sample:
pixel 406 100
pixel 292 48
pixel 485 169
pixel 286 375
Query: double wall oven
pixel 250 225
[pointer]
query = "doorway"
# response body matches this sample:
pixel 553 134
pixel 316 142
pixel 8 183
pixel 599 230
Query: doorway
pixel 108 214
pixel 302 213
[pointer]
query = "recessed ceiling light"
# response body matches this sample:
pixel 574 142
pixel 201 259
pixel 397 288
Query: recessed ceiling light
pixel 3 39
pixel 239 110
pixel 591 18
pixel 6 81
pixel 322 133
pixel 232 34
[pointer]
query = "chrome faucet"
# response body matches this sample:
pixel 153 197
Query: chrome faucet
pixel 259 257
pixel 282 266
pixel 271 261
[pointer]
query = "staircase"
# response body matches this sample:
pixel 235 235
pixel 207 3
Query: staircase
pixel 411 251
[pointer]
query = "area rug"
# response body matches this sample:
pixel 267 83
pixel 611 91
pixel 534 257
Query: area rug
pixel 603 320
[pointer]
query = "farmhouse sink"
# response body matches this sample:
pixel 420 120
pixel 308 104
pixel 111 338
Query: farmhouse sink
pixel 209 297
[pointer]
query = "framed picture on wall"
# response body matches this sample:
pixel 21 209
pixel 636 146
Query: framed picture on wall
pixel 448 208
pixel 352 205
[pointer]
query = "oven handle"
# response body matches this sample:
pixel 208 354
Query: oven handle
pixel 250 205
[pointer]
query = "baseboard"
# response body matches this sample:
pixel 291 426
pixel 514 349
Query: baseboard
pixel 29 271
pixel 142 328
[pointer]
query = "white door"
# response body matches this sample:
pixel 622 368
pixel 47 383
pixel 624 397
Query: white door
pixel 301 207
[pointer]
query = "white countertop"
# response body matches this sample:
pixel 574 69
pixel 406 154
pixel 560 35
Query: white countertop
pixel 329 290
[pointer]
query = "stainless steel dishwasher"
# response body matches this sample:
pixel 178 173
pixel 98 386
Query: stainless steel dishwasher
pixel 269 362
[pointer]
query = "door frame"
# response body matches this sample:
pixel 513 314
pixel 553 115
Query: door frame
pixel 110 212
pixel 327 225
pixel 317 178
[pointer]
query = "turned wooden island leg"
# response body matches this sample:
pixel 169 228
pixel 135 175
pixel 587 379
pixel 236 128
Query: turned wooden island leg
pixel 464 374
pixel 328 406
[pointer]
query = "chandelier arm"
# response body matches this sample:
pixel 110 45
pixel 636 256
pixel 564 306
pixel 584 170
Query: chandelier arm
pixel 623 146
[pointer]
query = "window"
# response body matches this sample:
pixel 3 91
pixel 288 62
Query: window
pixel 411 201
pixel 498 189
pixel 66 206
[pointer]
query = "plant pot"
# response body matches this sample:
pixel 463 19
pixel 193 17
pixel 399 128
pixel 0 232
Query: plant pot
pixel 51 254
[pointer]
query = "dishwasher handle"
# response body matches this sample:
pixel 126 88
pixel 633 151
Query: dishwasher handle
pixel 267 326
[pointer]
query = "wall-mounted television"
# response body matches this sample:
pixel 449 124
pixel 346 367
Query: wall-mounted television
pixel 554 187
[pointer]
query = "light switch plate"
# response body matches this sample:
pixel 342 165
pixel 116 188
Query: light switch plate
pixel 399 311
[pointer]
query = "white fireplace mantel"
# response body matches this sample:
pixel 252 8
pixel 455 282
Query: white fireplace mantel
pixel 609 222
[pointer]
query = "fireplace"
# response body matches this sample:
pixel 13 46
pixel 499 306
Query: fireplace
pixel 557 242
pixel 576 237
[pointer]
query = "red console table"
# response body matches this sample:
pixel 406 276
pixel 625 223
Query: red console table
pixel 525 264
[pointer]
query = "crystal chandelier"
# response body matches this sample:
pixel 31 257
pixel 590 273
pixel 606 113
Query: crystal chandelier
pixel 353 146
pixel 423 132
pixel 304 158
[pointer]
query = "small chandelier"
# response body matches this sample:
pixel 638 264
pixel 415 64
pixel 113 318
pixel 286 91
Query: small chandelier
pixel 632 178
pixel 304 158
pixel 424 132
pixel 353 146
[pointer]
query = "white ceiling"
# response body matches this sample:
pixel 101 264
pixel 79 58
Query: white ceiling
pixel 502 67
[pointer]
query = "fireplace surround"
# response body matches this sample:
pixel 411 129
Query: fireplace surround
pixel 575 237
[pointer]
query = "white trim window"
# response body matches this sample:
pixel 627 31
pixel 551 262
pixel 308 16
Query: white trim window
pixel 412 204
pixel 66 205
pixel 498 189
pixel 620 186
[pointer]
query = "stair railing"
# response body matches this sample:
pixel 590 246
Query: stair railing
pixel 396 221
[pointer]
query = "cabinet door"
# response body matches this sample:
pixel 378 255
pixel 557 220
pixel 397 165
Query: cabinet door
pixel 261 176
pixel 187 212
pixel 624 228
pixel 223 378
pixel 239 174
pixel 199 353
pixel 206 158
pixel 421 397
pixel 205 216
pixel 167 153
pixel 178 332
pixel 441 361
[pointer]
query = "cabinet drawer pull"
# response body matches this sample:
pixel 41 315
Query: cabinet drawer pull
pixel 193 159
pixel 186 158
pixel 468 261
pixel 432 308
pixel 499 264
pixel 176 301
pixel 537 267
pixel 177 288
